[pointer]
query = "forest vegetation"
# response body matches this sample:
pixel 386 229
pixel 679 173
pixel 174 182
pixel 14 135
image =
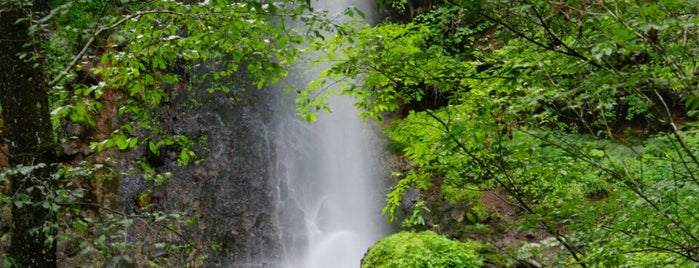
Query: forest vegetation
pixel 538 133
pixel 561 133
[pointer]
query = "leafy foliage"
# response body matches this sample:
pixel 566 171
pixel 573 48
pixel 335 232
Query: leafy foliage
pixel 373 63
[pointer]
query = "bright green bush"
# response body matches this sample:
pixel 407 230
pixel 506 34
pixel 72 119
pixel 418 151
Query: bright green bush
pixel 421 250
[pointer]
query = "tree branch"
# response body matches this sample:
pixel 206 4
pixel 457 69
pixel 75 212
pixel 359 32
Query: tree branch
pixel 569 51
pixel 542 45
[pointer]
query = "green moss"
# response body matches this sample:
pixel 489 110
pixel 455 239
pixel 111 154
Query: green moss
pixel 479 210
pixel 422 250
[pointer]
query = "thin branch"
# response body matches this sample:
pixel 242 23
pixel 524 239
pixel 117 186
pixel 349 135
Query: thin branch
pixel 676 130
pixel 542 45
pixel 557 40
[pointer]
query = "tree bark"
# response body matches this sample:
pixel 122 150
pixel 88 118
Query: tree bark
pixel 29 136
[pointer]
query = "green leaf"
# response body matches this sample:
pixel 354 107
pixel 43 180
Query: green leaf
pixel 132 142
pixel 153 147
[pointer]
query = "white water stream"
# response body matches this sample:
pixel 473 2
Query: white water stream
pixel 331 195
pixel 329 181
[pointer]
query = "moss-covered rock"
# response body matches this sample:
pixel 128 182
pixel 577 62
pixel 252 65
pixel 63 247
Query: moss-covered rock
pixel 421 250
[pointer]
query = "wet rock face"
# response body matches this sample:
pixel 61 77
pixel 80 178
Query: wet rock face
pixel 227 191
pixel 235 203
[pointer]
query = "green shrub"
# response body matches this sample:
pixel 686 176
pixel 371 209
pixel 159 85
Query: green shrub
pixel 420 250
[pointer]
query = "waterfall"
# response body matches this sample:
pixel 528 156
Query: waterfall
pixel 330 197
pixel 328 181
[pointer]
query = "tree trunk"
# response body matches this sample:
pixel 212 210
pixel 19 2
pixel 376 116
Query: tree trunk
pixel 29 135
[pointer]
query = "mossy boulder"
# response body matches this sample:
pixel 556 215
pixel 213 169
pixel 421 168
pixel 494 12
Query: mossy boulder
pixel 421 250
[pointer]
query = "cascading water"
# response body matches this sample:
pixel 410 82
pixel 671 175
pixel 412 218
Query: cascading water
pixel 330 194
pixel 328 182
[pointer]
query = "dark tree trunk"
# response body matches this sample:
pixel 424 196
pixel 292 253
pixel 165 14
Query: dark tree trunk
pixel 29 135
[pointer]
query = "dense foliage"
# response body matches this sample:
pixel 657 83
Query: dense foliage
pixel 581 111
pixel 421 250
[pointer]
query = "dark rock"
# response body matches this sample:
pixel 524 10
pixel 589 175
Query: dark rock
pixel 227 191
